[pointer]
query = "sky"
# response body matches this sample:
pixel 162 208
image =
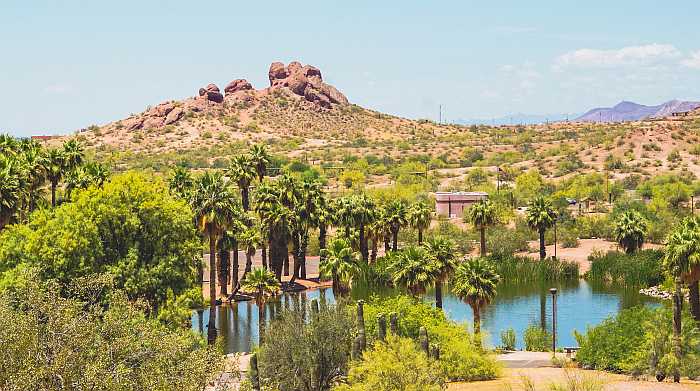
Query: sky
pixel 68 64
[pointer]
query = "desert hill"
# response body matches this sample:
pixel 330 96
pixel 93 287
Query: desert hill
pixel 630 111
pixel 301 117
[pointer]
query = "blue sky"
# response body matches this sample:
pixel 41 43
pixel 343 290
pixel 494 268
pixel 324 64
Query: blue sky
pixel 69 64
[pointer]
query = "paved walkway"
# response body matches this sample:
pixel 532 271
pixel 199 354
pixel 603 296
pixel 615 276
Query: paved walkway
pixel 521 359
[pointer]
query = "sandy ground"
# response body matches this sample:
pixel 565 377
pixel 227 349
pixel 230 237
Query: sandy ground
pixel 543 378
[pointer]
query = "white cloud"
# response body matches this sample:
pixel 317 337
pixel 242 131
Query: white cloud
pixel 693 61
pixel 630 55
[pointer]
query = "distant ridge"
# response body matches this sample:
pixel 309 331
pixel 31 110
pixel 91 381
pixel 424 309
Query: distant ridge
pixel 517 119
pixel 630 111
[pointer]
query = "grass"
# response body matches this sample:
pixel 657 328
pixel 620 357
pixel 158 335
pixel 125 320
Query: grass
pixel 635 270
pixel 525 269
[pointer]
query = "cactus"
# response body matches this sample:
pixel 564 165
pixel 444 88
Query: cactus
pixel 361 325
pixel 424 342
pixel 381 323
pixel 253 372
pixel 394 323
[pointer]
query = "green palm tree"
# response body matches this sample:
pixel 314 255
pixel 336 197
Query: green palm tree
pixel 482 214
pixel 213 205
pixel 249 239
pixel 443 250
pixel 181 182
pixel 242 171
pixel 10 190
pixel 33 157
pixel 54 167
pixel 475 283
pixel 73 154
pixel 415 269
pixel 363 214
pixel 262 284
pixel 419 215
pixel 682 261
pixel 540 217
pixel 396 217
pixel 260 159
pixel 630 230
pixel 340 263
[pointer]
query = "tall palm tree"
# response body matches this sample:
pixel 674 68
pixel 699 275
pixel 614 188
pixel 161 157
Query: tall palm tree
pixel 540 217
pixel 630 230
pixel 482 214
pixel 260 159
pixel 340 263
pixel 213 204
pixel 419 215
pixel 242 171
pixel 73 154
pixel 396 217
pixel 475 283
pixel 262 284
pixel 55 168
pixel 443 249
pixel 682 260
pixel 9 189
pixel 249 239
pixel 33 157
pixel 363 214
pixel 415 269
pixel 181 182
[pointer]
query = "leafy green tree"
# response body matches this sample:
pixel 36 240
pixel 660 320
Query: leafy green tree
pixel 415 269
pixel 630 230
pixel 482 214
pixel 242 171
pixel 540 217
pixel 443 249
pixel 213 205
pixel 475 283
pixel 262 284
pixel 420 216
pixel 340 264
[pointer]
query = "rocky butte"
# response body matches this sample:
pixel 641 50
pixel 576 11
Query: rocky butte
pixel 304 82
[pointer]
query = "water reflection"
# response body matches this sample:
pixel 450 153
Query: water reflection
pixel 579 304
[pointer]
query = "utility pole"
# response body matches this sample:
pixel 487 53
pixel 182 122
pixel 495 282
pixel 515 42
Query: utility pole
pixel 553 291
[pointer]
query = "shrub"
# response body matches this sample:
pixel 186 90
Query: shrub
pixel 508 339
pixel 537 339
pixel 643 268
pixel 296 351
pixel 395 365
pixel 504 241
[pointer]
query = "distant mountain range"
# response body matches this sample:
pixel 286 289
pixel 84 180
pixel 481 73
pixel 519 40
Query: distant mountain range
pixel 630 111
pixel 517 119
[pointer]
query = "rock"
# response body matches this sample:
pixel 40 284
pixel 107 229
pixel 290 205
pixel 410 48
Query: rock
pixel 238 85
pixel 153 122
pixel 133 123
pixel 173 116
pixel 305 81
pixel 161 110
pixel 211 92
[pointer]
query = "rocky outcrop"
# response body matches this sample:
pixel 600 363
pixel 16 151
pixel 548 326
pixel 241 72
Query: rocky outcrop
pixel 238 85
pixel 211 93
pixel 305 81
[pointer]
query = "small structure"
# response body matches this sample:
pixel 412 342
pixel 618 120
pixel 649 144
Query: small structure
pixel 452 204
pixel 680 114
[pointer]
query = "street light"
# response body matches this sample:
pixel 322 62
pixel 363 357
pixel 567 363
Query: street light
pixel 553 291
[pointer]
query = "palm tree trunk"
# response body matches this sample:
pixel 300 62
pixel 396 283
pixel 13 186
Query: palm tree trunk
pixel 438 294
pixel 295 254
pixel 321 241
pixel 395 238
pixel 477 326
pixel 363 244
pixel 420 236
pixel 482 250
pixel 53 194
pixel 261 321
pixel 211 328
pixel 677 327
pixel 373 257
pixel 286 263
pixel 386 244
pixel 248 260
pixel 212 267
pixel 543 250
pixel 245 198
pixel 222 268
pixel 263 256
pixel 302 254
pixel 234 267
pixel 694 300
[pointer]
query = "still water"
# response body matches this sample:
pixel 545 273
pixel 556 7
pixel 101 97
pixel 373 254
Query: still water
pixel 579 304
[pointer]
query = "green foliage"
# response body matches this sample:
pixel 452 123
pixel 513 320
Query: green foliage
pixel 83 346
pixel 307 355
pixel 643 268
pixel 395 365
pixel 515 269
pixel 504 241
pixel 630 230
pixel 132 229
pixel 537 339
pixel 508 339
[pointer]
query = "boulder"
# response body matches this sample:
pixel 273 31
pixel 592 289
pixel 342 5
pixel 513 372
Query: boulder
pixel 277 72
pixel 238 85
pixel 173 116
pixel 305 81
pixel 161 110
pixel 153 122
pixel 133 123
pixel 211 92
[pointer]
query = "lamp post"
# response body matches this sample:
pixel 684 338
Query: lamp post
pixel 553 291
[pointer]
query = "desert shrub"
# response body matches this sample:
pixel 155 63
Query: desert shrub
pixel 639 341
pixel 87 345
pixel 508 339
pixel 594 227
pixel 504 241
pixel 397 364
pixel 296 349
pixel 643 268
pixel 537 339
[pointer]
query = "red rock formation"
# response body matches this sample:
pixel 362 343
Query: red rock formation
pixel 306 81
pixel 238 85
pixel 212 93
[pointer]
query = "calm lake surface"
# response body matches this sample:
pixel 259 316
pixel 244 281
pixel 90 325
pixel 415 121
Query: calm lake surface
pixel 579 304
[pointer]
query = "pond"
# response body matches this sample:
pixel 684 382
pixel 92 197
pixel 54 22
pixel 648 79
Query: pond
pixel 579 304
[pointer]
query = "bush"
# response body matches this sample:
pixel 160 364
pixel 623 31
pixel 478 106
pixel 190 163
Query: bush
pixel 537 339
pixel 643 268
pixel 594 227
pixel 295 350
pixel 504 241
pixel 85 346
pixel 395 365
pixel 508 339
